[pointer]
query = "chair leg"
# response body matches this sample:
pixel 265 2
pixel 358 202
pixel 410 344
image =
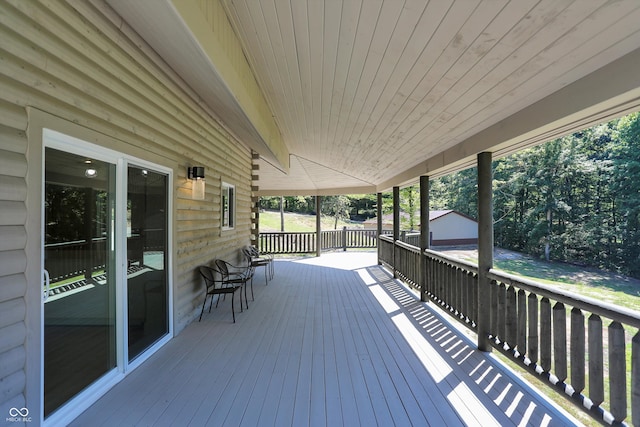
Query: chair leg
pixel 252 298
pixel 233 311
pixel 203 304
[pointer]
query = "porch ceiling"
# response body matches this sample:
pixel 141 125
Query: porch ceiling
pixel 371 94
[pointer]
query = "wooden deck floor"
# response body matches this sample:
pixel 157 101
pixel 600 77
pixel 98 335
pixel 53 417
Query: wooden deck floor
pixel 332 341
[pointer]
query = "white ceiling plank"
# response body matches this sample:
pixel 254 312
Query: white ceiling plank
pixel 524 74
pixel 287 33
pixel 315 10
pixel 446 31
pixel 300 17
pixel 332 26
pixel 369 16
pixel 391 65
pixel 578 44
pixel 409 60
pixel 254 27
pixel 272 44
pixel 378 51
pixel 350 16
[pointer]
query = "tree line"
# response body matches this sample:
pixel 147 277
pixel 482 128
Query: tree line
pixel 575 199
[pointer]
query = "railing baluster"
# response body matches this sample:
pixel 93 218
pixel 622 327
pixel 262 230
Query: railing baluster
pixel 617 372
pixel 471 305
pixel 577 350
pixel 545 334
pixel 502 312
pixel 493 308
pixel 596 372
pixel 635 379
pixel 474 297
pixel 511 320
pixel 532 340
pixel 522 322
pixel 560 341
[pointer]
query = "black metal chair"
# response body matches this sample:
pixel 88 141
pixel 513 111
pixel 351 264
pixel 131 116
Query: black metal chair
pixel 259 259
pixel 249 253
pixel 236 276
pixel 215 285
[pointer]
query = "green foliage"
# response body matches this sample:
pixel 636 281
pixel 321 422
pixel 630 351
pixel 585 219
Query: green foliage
pixel 410 205
pixel 574 199
pixel 337 207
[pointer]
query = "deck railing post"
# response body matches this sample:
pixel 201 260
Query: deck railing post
pixel 396 227
pixel 379 224
pixel 485 248
pixel 344 238
pixel 318 227
pixel 424 235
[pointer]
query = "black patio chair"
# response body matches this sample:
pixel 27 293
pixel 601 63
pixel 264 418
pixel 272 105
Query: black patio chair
pixel 236 276
pixel 249 253
pixel 261 258
pixel 215 285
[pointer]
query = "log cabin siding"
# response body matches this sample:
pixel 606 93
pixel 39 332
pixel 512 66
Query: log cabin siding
pixel 81 63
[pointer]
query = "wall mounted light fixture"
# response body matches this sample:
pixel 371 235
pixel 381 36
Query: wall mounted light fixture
pixel 196 174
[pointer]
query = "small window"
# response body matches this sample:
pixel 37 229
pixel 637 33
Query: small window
pixel 228 206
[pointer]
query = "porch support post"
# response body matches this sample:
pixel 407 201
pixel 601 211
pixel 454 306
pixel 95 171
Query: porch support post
pixel 485 248
pixel 396 226
pixel 379 224
pixel 424 235
pixel 318 227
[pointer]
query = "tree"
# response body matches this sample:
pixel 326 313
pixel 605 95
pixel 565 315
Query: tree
pixel 338 206
pixel 409 204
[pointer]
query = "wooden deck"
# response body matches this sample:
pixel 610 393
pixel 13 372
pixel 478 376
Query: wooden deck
pixel 331 341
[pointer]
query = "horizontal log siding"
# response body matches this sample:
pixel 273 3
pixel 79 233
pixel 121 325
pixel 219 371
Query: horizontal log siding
pixel 13 259
pixel 81 63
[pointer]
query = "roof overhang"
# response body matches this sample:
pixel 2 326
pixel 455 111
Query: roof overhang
pixel 358 97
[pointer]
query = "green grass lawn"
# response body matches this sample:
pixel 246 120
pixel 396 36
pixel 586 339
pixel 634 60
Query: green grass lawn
pixel 602 285
pixel 270 221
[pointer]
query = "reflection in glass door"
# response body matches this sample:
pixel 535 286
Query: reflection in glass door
pixel 79 309
pixel 147 302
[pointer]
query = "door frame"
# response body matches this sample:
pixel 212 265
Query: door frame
pixel 46 130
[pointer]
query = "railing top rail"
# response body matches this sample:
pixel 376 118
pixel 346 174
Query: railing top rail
pixel 73 243
pixel 611 311
pixel 452 260
pixel 407 246
pixel 287 232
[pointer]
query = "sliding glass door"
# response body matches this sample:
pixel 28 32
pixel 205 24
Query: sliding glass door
pixel 80 304
pixel 148 319
pixel 106 255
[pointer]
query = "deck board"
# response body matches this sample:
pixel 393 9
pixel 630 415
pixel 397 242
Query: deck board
pixel 323 346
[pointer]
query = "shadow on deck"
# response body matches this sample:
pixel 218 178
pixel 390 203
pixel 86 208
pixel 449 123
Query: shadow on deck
pixel 330 341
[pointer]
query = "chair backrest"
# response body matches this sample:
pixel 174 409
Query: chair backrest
pixel 209 274
pixel 247 252
pixel 223 268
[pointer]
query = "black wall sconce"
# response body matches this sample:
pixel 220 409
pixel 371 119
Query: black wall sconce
pixel 196 174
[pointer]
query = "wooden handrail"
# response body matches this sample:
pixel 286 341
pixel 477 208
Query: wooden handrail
pixel 601 308
pixel 541 328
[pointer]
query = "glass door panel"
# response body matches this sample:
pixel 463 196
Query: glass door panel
pixel 79 310
pixel 147 225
